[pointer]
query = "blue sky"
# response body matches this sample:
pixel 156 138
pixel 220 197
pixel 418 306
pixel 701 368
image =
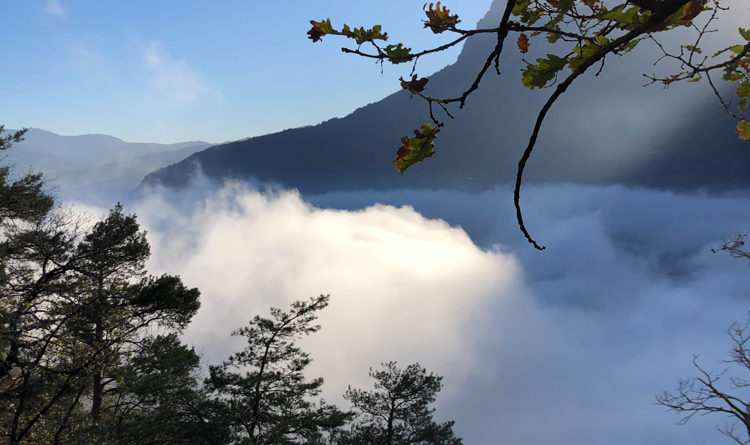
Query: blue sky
pixel 170 71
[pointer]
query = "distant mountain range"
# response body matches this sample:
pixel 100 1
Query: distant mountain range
pixel 94 160
pixel 604 130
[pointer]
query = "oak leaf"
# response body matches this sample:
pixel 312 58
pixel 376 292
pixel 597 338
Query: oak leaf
pixel 523 43
pixel 691 11
pixel 416 149
pixel 362 35
pixel 397 53
pixel 545 70
pixel 743 129
pixel 319 29
pixel 414 85
pixel 439 20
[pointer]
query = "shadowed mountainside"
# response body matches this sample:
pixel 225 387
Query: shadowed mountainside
pixel 604 130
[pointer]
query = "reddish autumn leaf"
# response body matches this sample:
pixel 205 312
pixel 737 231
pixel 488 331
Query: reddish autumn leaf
pixel 523 43
pixel 403 150
pixel 439 19
pixel 554 3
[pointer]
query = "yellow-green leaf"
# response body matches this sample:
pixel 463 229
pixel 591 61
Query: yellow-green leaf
pixel 743 89
pixel 319 29
pixel 362 35
pixel 417 148
pixel 743 129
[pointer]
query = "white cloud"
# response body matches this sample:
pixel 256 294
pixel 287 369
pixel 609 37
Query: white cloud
pixel 173 82
pixel 88 61
pixel 566 346
pixel 55 8
pixel 402 287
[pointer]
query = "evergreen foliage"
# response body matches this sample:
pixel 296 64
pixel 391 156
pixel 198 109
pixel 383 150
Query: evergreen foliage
pixel 90 349
pixel 266 395
pixel 397 410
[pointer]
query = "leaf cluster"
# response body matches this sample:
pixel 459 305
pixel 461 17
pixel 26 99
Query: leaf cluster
pixel 360 35
pixel 439 20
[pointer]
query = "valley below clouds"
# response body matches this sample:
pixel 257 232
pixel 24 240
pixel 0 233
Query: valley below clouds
pixel 569 345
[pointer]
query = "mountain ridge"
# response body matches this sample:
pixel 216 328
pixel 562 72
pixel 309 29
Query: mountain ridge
pixel 604 131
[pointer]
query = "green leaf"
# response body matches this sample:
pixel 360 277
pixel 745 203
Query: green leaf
pixel 743 89
pixel 537 76
pixel 565 6
pixel 694 49
pixel 630 46
pixel 745 33
pixel 552 37
pixel 721 51
pixel 743 104
pixel 743 129
pixel 521 7
pixel 582 53
pixel 397 53
pixel 732 76
pixel 526 13
pixel 416 149
pixel 625 17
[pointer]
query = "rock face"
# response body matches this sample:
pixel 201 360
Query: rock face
pixel 604 130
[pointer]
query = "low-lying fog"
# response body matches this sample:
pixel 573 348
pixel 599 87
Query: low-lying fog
pixel 569 345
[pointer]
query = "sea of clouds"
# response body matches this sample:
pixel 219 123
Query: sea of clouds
pixel 565 346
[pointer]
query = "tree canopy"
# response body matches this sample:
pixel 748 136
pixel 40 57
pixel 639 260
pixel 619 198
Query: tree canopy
pixel 266 395
pixel 90 348
pixel 397 410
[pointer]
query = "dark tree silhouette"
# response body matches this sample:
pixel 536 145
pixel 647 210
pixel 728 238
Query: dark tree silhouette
pixel 267 398
pixel 724 392
pixel 397 410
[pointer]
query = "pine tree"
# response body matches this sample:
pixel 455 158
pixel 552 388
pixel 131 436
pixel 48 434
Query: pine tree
pixel 116 303
pixel 397 411
pixel 263 387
